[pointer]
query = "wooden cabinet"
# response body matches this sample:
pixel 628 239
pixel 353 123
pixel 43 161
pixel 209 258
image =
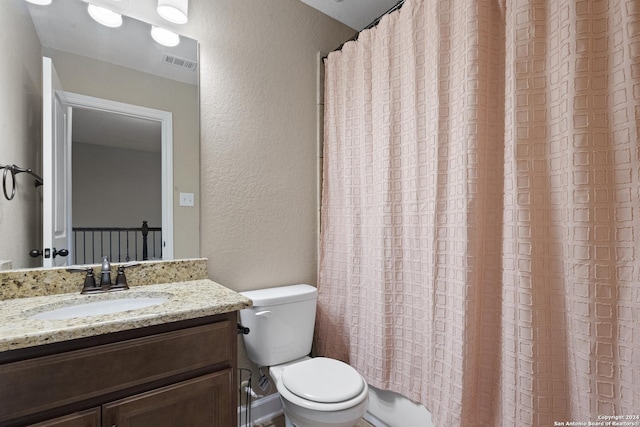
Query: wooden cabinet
pixel 181 373
pixel 200 402
pixel 88 418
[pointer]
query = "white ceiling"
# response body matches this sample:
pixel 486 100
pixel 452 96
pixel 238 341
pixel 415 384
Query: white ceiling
pixel 116 130
pixel 357 14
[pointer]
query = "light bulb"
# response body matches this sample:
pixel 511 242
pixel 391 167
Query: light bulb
pixel 175 11
pixel 165 37
pixel 105 16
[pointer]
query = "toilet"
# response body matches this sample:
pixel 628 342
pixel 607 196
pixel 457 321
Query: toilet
pixel 315 392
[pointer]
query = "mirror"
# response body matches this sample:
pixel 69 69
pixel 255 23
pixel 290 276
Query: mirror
pixel 122 65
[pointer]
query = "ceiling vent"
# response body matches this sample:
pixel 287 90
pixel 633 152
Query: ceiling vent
pixel 179 62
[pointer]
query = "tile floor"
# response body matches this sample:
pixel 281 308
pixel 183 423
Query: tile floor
pixel 279 422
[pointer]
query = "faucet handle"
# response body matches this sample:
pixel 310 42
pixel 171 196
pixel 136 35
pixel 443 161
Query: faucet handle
pixel 89 286
pixel 105 274
pixel 121 279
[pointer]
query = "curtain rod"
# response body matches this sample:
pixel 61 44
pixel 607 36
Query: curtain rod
pixel 373 23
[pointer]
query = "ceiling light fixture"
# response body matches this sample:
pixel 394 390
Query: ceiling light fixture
pixel 105 16
pixel 165 37
pixel 175 11
pixel 40 2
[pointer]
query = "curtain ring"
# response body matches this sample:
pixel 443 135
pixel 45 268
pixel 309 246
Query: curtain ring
pixel 13 182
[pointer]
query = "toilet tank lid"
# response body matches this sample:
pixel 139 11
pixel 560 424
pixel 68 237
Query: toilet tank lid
pixel 281 295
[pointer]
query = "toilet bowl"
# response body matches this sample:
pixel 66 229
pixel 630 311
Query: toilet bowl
pixel 321 392
pixel 315 392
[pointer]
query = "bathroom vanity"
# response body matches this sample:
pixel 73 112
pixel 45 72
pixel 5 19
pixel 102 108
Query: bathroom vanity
pixel 170 364
pixel 178 374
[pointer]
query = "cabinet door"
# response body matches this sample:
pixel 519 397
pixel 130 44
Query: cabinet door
pixel 201 402
pixel 44 383
pixel 88 418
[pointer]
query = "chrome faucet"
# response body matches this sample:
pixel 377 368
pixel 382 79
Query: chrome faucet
pixel 105 273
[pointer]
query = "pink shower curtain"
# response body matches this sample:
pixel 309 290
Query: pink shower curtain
pixel 481 209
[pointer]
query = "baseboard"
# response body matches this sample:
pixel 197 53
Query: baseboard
pixel 263 409
pixel 373 420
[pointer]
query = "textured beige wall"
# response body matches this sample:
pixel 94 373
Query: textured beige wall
pixel 102 80
pixel 258 138
pixel 20 121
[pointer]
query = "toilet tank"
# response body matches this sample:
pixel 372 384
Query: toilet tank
pixel 281 323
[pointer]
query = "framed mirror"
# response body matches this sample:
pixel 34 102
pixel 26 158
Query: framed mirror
pixel 115 181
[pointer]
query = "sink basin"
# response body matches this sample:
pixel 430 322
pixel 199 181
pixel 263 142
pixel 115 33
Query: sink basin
pixel 96 308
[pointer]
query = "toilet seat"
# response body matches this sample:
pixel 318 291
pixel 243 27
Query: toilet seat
pixel 322 380
pixel 322 384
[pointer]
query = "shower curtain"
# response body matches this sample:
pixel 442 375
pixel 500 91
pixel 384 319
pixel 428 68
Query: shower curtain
pixel 481 210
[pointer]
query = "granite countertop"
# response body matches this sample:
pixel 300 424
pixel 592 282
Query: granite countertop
pixel 186 300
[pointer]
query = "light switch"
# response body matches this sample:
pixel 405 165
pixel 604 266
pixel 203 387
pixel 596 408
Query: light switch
pixel 186 199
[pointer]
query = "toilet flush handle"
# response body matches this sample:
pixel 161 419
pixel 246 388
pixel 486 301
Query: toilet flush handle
pixel 263 313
